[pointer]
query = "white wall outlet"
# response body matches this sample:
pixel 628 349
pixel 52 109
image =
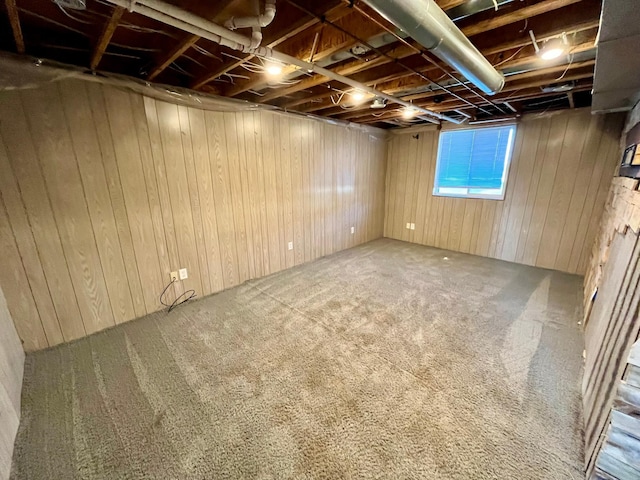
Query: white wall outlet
pixel 413 226
pixel 290 245
pixel 353 230
pixel 183 274
pixel 173 276
pixel 408 226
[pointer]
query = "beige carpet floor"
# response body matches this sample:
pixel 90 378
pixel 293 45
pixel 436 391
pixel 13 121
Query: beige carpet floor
pixel 389 360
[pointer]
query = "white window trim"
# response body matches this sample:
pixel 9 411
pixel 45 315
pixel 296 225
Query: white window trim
pixel 505 172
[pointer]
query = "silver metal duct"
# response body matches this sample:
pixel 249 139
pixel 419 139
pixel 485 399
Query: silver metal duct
pixel 426 23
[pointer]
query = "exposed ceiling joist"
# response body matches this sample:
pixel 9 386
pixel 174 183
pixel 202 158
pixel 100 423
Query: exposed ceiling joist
pixel 517 15
pixel 105 37
pixel 14 21
pixel 183 45
pixel 450 105
pixel 294 30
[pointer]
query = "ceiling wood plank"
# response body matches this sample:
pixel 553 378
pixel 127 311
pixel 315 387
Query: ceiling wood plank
pixel 511 85
pixel 14 20
pixel 185 44
pixel 299 27
pixel 457 105
pixel 105 37
pixel 516 16
pixel 331 41
pixel 496 22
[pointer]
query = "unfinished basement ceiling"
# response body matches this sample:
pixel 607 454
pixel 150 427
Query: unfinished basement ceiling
pixel 346 37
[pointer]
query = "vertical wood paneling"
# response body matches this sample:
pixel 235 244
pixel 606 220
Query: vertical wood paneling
pixel 30 182
pixel 560 171
pixel 87 150
pixel 105 192
pixel 103 130
pixel 67 197
pixel 11 370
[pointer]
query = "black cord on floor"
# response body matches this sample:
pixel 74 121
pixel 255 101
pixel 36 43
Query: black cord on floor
pixel 191 293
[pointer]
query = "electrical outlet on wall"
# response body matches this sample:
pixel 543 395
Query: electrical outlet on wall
pixel 173 276
pixel 290 246
pixel 183 274
pixel 413 226
pixel 353 230
pixel 408 226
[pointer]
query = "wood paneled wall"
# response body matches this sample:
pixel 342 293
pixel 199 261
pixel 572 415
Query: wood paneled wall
pixel 11 369
pixel 105 192
pixel 558 180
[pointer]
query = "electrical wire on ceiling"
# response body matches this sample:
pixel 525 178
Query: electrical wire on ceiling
pixel 187 57
pixel 49 20
pixel 178 68
pixel 566 69
pixel 205 52
pixel 73 17
pixel 510 57
pixel 426 57
pixel 395 60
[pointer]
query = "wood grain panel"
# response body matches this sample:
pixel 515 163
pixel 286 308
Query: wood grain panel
pixel 105 192
pixel 554 191
pixel 30 182
pixel 11 370
pixel 66 194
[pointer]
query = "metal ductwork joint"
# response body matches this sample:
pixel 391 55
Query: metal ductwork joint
pixel 425 22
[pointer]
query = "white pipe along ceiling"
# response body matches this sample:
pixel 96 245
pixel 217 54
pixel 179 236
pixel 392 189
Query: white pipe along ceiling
pixel 191 23
pixel 426 23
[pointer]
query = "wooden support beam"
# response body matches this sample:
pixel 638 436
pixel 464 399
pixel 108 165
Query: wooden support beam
pixel 347 69
pixel 514 82
pixel 184 44
pixel 304 25
pixel 105 36
pixel 455 104
pixel 543 32
pixel 572 103
pixel 181 47
pixel 516 16
pixel 332 41
pixel 14 20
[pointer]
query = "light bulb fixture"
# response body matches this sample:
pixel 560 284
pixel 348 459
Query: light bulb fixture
pixel 552 48
pixel 357 96
pixel 378 102
pixel 408 113
pixel 273 69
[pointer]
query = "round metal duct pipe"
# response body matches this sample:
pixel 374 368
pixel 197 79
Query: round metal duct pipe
pixel 427 24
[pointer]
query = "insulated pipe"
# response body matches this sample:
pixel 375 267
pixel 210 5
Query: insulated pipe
pixel 425 22
pixel 191 23
pixel 258 21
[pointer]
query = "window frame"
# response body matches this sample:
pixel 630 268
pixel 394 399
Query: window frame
pixel 505 172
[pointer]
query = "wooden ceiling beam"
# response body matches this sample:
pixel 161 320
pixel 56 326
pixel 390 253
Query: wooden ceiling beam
pixel 531 94
pixel 298 28
pixel 528 59
pixel 542 32
pixel 511 85
pixel 105 37
pixel 14 21
pixel 517 15
pixel 318 79
pixel 455 104
pixel 186 43
pixel 331 41
pixel 347 69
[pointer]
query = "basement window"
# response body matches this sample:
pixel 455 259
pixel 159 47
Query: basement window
pixel 474 163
